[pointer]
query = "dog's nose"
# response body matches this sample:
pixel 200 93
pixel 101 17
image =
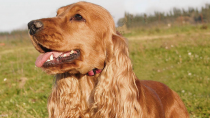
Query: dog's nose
pixel 34 26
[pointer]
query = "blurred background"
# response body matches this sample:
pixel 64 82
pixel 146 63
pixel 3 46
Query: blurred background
pixel 169 41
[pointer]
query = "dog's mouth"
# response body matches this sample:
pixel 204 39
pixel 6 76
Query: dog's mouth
pixel 54 58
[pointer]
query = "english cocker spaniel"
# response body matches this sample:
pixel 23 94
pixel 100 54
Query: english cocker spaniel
pixel 94 75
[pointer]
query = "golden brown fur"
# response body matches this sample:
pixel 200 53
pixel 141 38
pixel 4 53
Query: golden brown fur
pixel 115 92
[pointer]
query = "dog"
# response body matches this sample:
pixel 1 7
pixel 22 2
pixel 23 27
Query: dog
pixel 94 75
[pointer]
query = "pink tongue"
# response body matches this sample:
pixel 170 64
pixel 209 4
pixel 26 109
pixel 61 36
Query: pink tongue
pixel 42 58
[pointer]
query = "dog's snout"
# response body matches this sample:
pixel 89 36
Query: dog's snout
pixel 34 26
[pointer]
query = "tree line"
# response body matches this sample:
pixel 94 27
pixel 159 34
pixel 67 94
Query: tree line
pixel 175 16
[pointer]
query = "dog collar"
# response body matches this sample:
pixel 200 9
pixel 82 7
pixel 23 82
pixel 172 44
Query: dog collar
pixel 94 71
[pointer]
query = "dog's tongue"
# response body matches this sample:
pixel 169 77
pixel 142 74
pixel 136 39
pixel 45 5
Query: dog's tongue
pixel 42 58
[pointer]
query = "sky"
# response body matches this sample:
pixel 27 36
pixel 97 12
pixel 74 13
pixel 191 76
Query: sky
pixel 15 14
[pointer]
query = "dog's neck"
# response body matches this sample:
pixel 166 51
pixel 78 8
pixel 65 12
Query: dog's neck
pixel 69 88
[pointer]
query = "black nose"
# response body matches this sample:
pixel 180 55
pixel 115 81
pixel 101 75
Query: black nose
pixel 34 26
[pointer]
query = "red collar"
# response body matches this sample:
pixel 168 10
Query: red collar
pixel 94 71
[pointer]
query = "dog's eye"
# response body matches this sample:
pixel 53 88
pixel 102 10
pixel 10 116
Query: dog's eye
pixel 78 17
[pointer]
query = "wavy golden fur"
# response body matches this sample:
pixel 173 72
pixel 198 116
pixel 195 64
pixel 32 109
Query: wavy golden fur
pixel 115 92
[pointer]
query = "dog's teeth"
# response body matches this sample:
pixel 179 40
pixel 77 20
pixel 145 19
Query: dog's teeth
pixel 72 52
pixel 47 60
pixel 64 55
pixel 51 57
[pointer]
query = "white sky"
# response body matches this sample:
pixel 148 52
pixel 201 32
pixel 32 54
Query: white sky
pixel 15 14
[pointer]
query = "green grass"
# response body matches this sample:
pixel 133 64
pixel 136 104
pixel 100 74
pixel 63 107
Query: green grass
pixel 24 88
pixel 182 62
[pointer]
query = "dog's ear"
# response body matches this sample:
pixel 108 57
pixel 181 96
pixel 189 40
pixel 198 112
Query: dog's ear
pixel 116 93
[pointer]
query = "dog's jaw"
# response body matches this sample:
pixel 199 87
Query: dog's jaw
pixel 53 58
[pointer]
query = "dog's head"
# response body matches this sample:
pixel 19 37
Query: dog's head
pixel 75 40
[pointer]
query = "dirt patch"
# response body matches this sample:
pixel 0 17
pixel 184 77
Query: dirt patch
pixel 163 36
pixel 22 82
pixel 152 37
pixel 13 50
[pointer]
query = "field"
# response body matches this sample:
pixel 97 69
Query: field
pixel 176 56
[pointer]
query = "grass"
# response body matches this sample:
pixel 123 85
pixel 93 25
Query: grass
pixel 181 61
pixel 24 88
pixel 165 30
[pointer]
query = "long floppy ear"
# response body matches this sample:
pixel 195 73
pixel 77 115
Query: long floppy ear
pixel 116 94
